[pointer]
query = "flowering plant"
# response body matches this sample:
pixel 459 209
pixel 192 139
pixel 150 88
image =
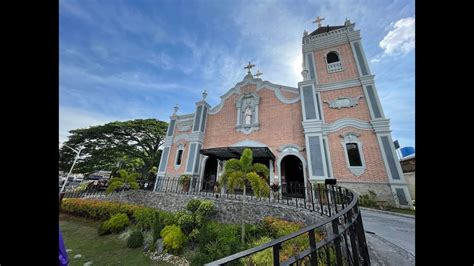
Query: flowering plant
pixel 275 187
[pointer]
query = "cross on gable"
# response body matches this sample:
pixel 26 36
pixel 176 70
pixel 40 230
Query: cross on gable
pixel 258 73
pixel 249 66
pixel 318 20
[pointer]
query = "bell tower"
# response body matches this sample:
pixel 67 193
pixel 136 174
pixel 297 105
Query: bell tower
pixel 346 132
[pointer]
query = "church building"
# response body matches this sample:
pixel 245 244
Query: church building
pixel 331 125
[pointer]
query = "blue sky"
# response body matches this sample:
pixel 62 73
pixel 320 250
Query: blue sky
pixel 122 60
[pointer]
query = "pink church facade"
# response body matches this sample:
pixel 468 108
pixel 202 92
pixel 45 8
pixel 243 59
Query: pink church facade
pixel 331 125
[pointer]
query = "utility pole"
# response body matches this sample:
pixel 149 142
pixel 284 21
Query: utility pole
pixel 75 159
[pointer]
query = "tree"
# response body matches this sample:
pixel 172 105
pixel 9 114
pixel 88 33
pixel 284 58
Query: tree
pixel 240 173
pixel 123 181
pixel 132 144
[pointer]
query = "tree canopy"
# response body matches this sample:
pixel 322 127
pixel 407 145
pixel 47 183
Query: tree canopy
pixel 131 145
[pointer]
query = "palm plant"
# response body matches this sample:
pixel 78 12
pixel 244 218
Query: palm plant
pixel 123 181
pixel 240 173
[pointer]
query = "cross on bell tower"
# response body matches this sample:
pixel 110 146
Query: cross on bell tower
pixel 249 66
pixel 318 20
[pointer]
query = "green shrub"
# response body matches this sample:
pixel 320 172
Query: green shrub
pixel 117 223
pixel 96 209
pixel 135 240
pixel 193 205
pixel 173 239
pixel 167 218
pixel 206 208
pixel 186 222
pixel 194 235
pixel 264 257
pixel 278 228
pixel 219 240
pixel 200 258
pixel 156 227
pixel 102 229
pixel 254 232
pixel 144 217
pixel 368 200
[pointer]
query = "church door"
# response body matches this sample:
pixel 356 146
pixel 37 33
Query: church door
pixel 292 176
pixel 210 175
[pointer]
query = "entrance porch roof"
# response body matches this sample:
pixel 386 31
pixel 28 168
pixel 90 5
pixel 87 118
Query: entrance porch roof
pixel 225 153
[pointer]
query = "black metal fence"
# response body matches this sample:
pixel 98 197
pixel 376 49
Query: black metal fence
pixel 341 236
pixel 341 239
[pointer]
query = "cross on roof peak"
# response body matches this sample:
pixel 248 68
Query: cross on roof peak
pixel 318 20
pixel 249 66
pixel 258 74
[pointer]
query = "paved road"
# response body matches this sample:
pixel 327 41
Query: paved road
pixel 391 238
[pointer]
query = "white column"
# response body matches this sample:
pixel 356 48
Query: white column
pixel 238 116
pixel 218 170
pixel 272 174
pixel 256 113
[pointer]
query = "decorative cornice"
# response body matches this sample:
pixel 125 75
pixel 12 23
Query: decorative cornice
pixel 260 84
pixel 190 137
pixel 381 125
pixel 347 134
pixel 330 39
pixel 347 122
pixel 312 126
pixel 249 143
pixel 249 129
pixel 203 102
pixel 367 80
pixel 185 117
pixel 339 85
pixel 282 148
pixel 305 83
pixel 184 127
pixel 344 102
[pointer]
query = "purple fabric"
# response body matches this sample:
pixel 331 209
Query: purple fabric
pixel 63 260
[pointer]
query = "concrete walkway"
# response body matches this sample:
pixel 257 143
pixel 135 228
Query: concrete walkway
pixel 391 238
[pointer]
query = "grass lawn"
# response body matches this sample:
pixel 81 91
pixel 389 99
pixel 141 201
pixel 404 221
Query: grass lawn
pixel 404 211
pixel 80 235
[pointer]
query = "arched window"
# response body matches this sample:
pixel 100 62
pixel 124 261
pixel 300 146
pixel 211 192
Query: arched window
pixel 353 153
pixel 179 155
pixel 332 57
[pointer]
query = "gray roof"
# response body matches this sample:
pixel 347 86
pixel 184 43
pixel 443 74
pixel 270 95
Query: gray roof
pixel 325 29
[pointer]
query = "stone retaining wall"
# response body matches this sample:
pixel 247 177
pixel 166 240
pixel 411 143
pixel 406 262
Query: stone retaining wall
pixel 228 210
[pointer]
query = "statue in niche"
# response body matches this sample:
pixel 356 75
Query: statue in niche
pixel 248 115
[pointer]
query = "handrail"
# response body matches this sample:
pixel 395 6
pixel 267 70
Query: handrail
pixel 279 241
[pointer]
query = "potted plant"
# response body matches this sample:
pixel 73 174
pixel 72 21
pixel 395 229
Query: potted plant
pixel 184 181
pixel 216 189
pixel 275 187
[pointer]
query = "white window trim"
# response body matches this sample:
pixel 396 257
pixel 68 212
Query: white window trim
pixel 179 148
pixel 340 61
pixel 352 137
pixel 308 155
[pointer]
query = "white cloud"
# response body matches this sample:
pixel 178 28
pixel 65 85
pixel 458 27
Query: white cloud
pixel 401 39
pixel 74 118
pixel 126 80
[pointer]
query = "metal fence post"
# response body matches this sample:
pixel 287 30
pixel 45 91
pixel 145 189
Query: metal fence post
pixel 337 244
pixel 312 245
pixel 276 255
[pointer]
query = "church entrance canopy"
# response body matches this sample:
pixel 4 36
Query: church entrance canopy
pixel 225 153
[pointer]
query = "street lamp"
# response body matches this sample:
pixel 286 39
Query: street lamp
pixel 75 159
